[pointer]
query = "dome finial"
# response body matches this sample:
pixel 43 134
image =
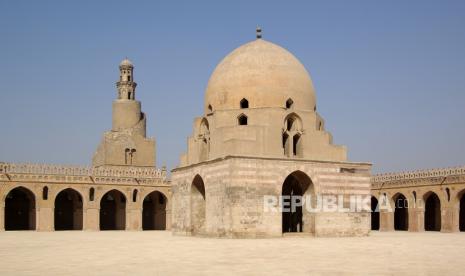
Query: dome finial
pixel 259 32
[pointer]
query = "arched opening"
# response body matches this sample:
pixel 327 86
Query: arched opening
pixel 244 103
pixel 400 212
pixel 432 212
pixel 134 195
pixel 68 210
pixel 154 211
pixel 289 103
pixel 242 120
pixel 198 205
pixel 45 193
pixel 20 210
pixel 462 212
pixel 91 194
pixel 294 218
pixel 204 135
pixel 374 214
pixel 210 108
pixel 113 211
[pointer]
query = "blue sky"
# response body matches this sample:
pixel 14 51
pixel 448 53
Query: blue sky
pixel 389 75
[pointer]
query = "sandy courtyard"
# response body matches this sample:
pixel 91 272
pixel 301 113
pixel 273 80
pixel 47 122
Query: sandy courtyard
pixel 160 253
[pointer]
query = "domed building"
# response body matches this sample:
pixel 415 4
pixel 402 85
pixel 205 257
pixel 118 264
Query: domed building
pixel 261 137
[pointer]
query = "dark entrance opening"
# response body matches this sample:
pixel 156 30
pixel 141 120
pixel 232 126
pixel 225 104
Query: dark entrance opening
pixel 68 210
pixel 374 214
pixel 113 211
pixel 462 213
pixel 400 213
pixel 432 213
pixel 20 210
pixel 293 217
pixel 154 212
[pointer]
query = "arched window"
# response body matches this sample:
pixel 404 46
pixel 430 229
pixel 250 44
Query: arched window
pixel 129 95
pixel 134 195
pixel 291 136
pixel 289 103
pixel 210 108
pixel 204 137
pixel 244 103
pixel 448 194
pixel 45 193
pixel 91 194
pixel 242 120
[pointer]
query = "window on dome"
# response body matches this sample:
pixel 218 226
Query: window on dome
pixel 242 119
pixel 210 108
pixel 289 103
pixel 244 103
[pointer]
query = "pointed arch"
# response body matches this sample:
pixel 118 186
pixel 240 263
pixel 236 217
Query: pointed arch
pixel 296 218
pixel 293 122
pixel 154 211
pixel 400 212
pixel 244 103
pixel 113 210
pixel 198 205
pixel 68 211
pixel 20 209
pixel 242 119
pixel 432 211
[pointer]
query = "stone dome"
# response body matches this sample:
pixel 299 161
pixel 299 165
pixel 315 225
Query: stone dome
pixel 265 74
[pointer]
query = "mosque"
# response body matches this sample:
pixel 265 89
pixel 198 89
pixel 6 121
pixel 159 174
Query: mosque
pixel 260 135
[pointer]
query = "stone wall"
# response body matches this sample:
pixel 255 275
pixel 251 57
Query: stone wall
pixel 235 188
pixel 417 186
pixel 134 183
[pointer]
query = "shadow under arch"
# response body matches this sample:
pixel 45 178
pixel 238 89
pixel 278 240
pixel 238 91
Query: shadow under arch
pixel 154 211
pixel 432 211
pixel 295 188
pixel 198 205
pixel 68 211
pixel 113 211
pixel 20 209
pixel 400 212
